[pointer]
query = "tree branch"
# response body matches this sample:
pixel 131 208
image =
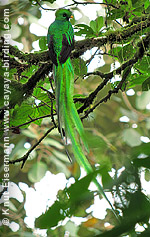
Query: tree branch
pixel 110 92
pixel 31 121
pixel 42 59
pixel 25 157
pixel 31 58
pixel 83 45
pixel 77 3
pixel 110 37
pixel 142 46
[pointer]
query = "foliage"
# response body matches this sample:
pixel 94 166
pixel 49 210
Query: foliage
pixel 117 123
pixel 68 203
pixel 94 30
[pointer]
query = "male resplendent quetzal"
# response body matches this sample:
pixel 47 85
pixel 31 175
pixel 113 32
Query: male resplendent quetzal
pixel 60 43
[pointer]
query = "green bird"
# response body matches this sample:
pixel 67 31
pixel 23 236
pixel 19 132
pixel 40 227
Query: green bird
pixel 60 40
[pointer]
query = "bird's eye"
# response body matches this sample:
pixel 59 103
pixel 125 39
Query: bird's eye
pixel 64 15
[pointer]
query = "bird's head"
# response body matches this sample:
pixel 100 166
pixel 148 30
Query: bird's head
pixel 63 14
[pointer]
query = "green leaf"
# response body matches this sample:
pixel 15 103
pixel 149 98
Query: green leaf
pixel 115 51
pixel 115 14
pixel 126 73
pixel 144 162
pixel 138 211
pixel 83 30
pixel 21 114
pixel 43 43
pixel 68 202
pixel 131 137
pixel 147 4
pixel 93 25
pixel 41 111
pixel 135 79
pixel 97 24
pixel 146 84
pixel 51 217
pixel 30 71
pixel 96 142
pixel 138 3
pixel 40 95
pixel 142 149
pixel 143 65
pixel 139 207
pixel 107 181
pixel 37 172
pixel 126 52
pixel 79 188
pixel 100 22
pixel 37 92
pixel 79 66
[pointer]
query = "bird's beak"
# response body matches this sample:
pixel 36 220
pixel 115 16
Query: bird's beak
pixel 71 16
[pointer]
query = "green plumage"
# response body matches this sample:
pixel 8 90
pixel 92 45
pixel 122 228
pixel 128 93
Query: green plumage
pixel 60 39
pixel 60 42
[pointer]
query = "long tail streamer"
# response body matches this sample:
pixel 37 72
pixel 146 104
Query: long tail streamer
pixel 68 118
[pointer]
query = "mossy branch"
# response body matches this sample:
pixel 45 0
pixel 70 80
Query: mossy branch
pixel 111 37
pixel 22 61
pixel 142 46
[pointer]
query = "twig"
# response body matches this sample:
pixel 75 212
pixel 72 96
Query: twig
pixel 48 92
pixel 50 80
pixel 32 120
pixel 100 3
pixel 118 23
pixel 44 103
pixel 107 76
pixel 110 92
pixel 3 191
pixel 91 58
pixel 83 45
pixel 52 115
pixel 47 9
pixel 76 3
pixel 25 157
pixel 51 97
